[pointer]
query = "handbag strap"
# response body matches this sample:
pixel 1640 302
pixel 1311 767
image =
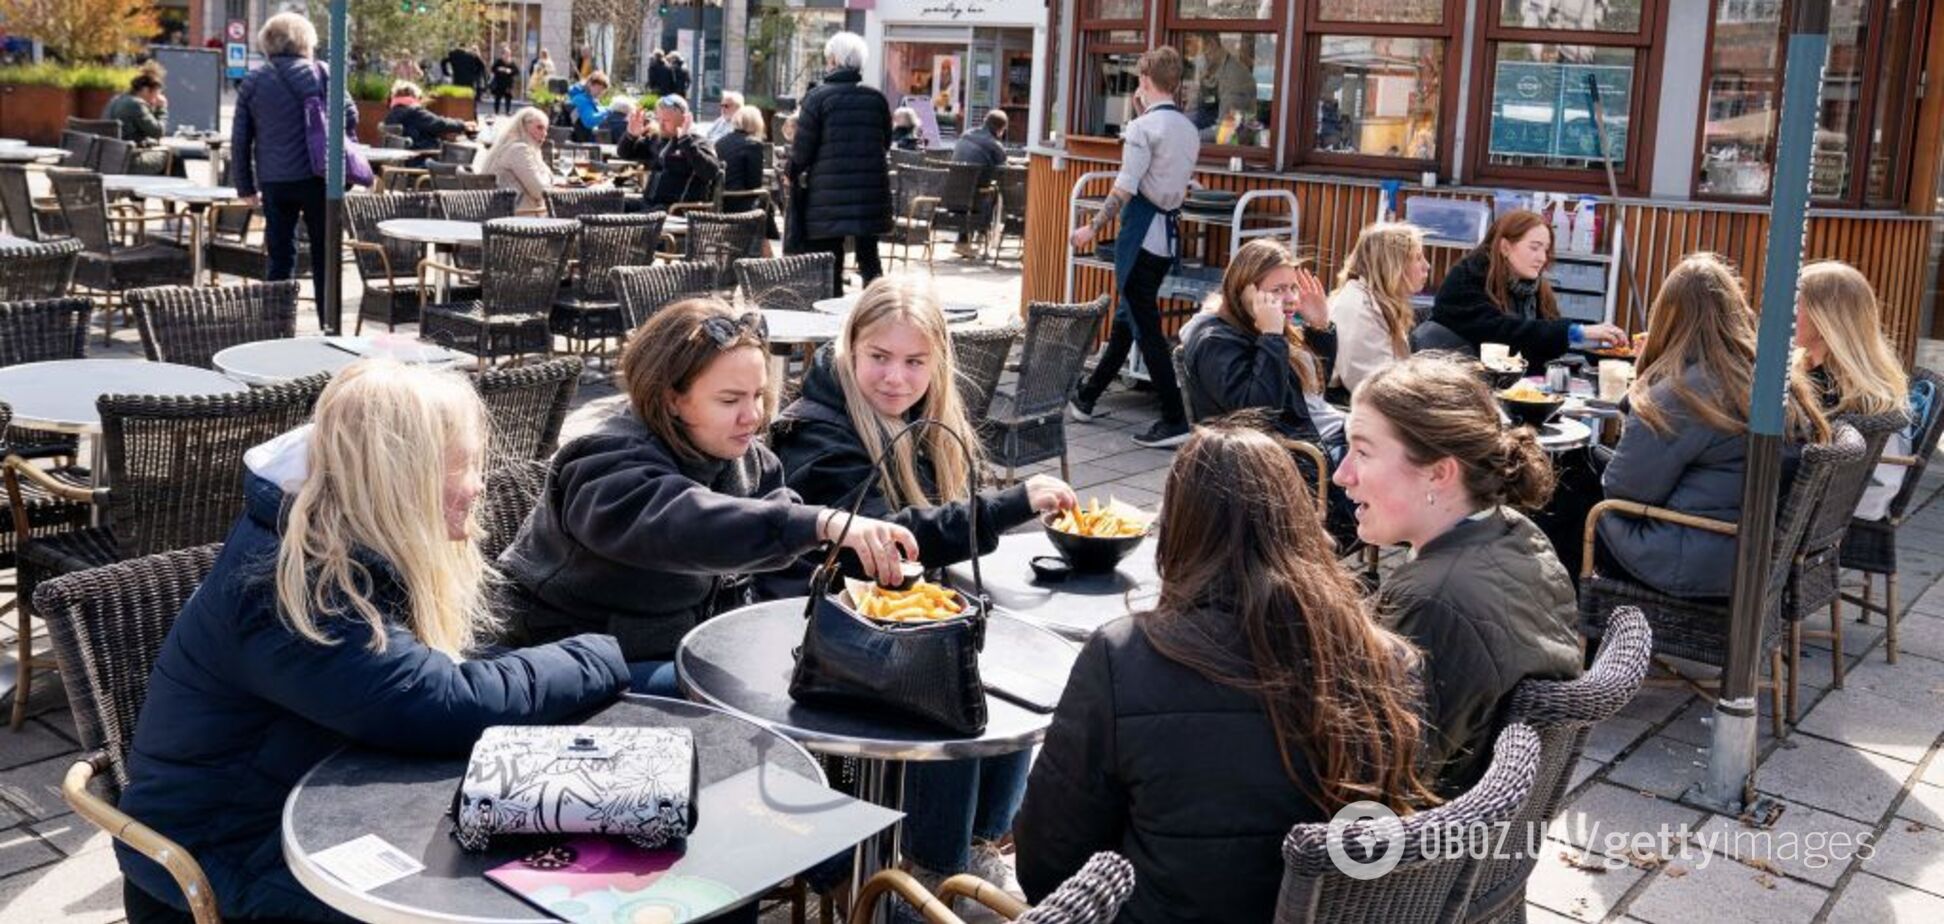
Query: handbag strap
pixel 854 501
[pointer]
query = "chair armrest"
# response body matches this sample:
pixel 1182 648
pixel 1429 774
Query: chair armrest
pixel 430 264
pixel 965 885
pixel 17 466
pixel 1644 511
pixel 922 205
pixel 1314 453
pixel 864 908
pixel 683 208
pixel 143 839
pixel 1904 461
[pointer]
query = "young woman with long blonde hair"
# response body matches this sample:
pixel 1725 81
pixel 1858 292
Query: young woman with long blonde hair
pixel 1684 441
pixel 348 606
pixel 1371 307
pixel 893 364
pixel 515 160
pixel 1839 327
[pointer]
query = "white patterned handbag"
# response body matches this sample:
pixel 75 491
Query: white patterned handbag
pixel 577 779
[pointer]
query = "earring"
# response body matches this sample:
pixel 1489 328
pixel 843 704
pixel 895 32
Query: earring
pixel 1430 499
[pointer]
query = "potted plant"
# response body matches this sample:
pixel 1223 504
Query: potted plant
pixel 369 94
pixel 35 101
pixel 452 101
pixel 95 85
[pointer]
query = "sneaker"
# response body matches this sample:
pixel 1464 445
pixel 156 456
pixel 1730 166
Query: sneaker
pixel 1164 435
pixel 1080 408
pixel 989 863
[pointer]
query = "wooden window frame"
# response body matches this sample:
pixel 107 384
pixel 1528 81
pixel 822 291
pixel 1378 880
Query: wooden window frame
pixel 1083 49
pixel 1170 27
pixel 1905 128
pixel 1701 117
pixel 1312 27
pixel 1632 175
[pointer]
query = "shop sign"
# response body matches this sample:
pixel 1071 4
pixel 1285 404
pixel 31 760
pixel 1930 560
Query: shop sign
pixel 1544 110
pixel 962 11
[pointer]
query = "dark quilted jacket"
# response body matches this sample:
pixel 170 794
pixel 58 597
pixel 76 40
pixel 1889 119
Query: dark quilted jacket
pixel 267 143
pixel 1489 604
pixel 838 160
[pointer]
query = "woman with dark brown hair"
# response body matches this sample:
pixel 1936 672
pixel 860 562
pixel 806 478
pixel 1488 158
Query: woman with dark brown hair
pixel 1499 294
pixel 1432 467
pixel 1255 695
pixel 651 523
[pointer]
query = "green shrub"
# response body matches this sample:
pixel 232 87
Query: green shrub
pixel 543 98
pixel 100 77
pixel 44 74
pixel 370 88
pixel 450 91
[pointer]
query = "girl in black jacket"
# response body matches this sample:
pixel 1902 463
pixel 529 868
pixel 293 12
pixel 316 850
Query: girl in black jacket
pixel 741 154
pixel 1256 695
pixel 646 524
pixel 1499 294
pixel 893 365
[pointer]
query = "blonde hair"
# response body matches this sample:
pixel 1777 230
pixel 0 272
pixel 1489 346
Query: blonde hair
pixel 1701 319
pixel 513 141
pixel 1256 260
pixel 287 34
pixel 380 446
pixel 901 300
pixel 405 88
pixel 1382 257
pixel 748 120
pixel 1863 368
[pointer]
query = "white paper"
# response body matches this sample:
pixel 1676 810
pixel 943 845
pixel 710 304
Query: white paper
pixel 366 863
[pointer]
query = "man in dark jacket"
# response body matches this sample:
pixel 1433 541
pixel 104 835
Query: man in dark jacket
pixel 982 145
pixel 685 166
pixel 838 162
pixel 423 127
pixel 661 80
pixel 678 74
pixel 465 68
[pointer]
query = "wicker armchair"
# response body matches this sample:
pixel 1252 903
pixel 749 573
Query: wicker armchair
pixel 968 197
pixel 567 202
pixel 1012 210
pixel 916 195
pixel 38 270
pixel 176 467
pixel 979 354
pixel 387 266
pixel 27 217
pixel 1419 887
pixel 1028 424
pixel 1814 575
pixel 512 489
pixel 189 325
pixel 107 266
pixel 901 159
pixel 1697 629
pixel 526 406
pixel 481 203
pixel 80 148
pixel 100 128
pixel 1562 713
pixel 40 331
pixel 722 239
pixel 589 310
pixel 792 283
pixel 227 247
pixel 643 290
pixel 1871 546
pixel 458 152
pixel 463 181
pixel 525 259
pixel 39 513
pixel 1093 895
pixel 111 155
pixel 108 625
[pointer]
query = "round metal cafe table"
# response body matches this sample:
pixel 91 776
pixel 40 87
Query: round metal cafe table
pixel 1076 607
pixel 268 362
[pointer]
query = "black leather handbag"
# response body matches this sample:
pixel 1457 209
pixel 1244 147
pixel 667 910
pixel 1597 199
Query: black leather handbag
pixel 928 671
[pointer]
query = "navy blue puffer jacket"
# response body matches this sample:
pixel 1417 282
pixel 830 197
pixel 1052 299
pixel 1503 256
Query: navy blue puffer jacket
pixel 838 161
pixel 267 142
pixel 240 707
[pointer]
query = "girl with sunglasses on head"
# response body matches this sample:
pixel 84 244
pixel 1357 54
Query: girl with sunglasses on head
pixel 893 364
pixel 653 522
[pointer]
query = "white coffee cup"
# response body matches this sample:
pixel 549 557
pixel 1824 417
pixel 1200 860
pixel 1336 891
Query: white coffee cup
pixel 1616 376
pixel 1494 355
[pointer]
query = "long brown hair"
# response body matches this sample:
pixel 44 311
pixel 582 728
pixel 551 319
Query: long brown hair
pixel 1383 254
pixel 668 352
pixel 1256 260
pixel 1252 597
pixel 1498 274
pixel 1862 365
pixel 1701 319
pixel 1440 408
pixel 891 300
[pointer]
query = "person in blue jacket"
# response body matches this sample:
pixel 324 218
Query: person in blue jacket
pixel 585 99
pixel 343 609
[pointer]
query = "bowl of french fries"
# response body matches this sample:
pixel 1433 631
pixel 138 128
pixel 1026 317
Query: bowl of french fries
pixel 921 602
pixel 1094 538
pixel 1527 404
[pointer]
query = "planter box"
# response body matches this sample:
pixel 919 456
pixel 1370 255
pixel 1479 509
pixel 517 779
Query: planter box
pixel 35 114
pixel 370 114
pixel 452 107
pixel 89 104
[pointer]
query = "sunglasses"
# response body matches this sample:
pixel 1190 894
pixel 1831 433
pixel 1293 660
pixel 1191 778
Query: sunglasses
pixel 727 332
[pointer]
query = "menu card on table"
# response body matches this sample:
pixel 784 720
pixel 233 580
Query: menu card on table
pixel 752 831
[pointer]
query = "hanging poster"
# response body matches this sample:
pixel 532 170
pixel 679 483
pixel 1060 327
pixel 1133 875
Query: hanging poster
pixel 945 85
pixel 1543 109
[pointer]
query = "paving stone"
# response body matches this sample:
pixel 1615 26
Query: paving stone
pixel 1654 704
pixel 72 835
pixel 1608 819
pixel 1869 899
pixel 1582 772
pixel 1924 803
pixel 1912 857
pixel 21 850
pixel 33 742
pixel 1914 681
pixel 1874 723
pixel 1155 480
pixel 1723 890
pixel 81 890
pixel 1834 777
pixel 1614 735
pixel 1662 766
pixel 1695 724
pixel 1137 460
pixel 1921 635
pixel 1537 915
pixel 35 789
pixel 1576 892
pixel 1805 842
pixel 1088 475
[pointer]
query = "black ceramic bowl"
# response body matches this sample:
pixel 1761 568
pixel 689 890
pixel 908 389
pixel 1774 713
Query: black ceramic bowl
pixel 1534 414
pixel 1501 379
pixel 1090 554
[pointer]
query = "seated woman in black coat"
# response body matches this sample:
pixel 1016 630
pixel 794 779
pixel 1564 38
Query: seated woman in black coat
pixel 1256 695
pixel 1432 467
pixel 892 365
pixel 651 523
pixel 423 127
pixel 1499 294
pixel 741 153
pixel 343 609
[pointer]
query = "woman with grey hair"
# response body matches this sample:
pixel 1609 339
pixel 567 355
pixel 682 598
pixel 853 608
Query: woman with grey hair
pixel 837 162
pixel 269 153
pixel 904 129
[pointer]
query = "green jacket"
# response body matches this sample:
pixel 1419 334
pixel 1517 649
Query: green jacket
pixel 138 121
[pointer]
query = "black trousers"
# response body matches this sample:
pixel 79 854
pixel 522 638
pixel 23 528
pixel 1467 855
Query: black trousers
pixel 1140 307
pixel 502 102
pixel 866 248
pixel 284 203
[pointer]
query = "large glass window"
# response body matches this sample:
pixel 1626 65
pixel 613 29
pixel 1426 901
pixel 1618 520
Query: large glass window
pixel 1572 15
pixel 1224 9
pixel 1744 101
pixel 1894 110
pixel 1106 98
pixel 1228 86
pixel 1423 12
pixel 1378 96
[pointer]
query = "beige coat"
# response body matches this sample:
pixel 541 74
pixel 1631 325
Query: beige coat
pixel 1363 341
pixel 525 171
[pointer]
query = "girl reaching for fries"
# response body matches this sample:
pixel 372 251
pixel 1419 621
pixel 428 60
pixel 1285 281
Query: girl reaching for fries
pixel 893 364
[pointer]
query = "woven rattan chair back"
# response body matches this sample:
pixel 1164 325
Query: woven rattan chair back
pixel 1924 445
pixel 1179 357
pixel 458 152
pixel 1012 194
pixel 1562 713
pixel 43 330
pixel 1847 482
pixel 362 214
pixel 512 489
pixel 1057 339
pixel 38 270
pixel 1814 477
pixel 80 147
pixel 112 155
pixel 395 142
pixel 609 241
pixel 1427 884
pixel 100 128
pixel 901 158
pixel 1094 895
pixel 937 156
pixel 644 290
pixel 964 188
pixel 108 625
pixel 84 206
pixel 793 283
pixel 176 462
pixel 441 168
pixel 526 405
pixel 979 354
pixel 918 183
pixel 721 239
pixel 579 203
pixel 477 204
pixel 525 260
pixel 189 325
pixel 465 182
pixel 17 202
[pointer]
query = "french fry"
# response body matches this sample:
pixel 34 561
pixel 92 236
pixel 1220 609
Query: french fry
pixel 1117 520
pixel 921 602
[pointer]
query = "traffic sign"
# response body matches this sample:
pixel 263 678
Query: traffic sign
pixel 236 31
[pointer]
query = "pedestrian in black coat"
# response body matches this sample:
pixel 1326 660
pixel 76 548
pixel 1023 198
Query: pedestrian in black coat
pixel 838 162
pixel 741 152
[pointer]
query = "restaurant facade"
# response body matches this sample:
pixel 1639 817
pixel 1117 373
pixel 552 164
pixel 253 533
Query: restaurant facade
pixel 1323 104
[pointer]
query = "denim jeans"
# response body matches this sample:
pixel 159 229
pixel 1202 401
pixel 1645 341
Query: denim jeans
pixel 284 203
pixel 653 678
pixel 948 803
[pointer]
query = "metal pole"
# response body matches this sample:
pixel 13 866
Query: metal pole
pixel 330 289
pixel 1731 754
